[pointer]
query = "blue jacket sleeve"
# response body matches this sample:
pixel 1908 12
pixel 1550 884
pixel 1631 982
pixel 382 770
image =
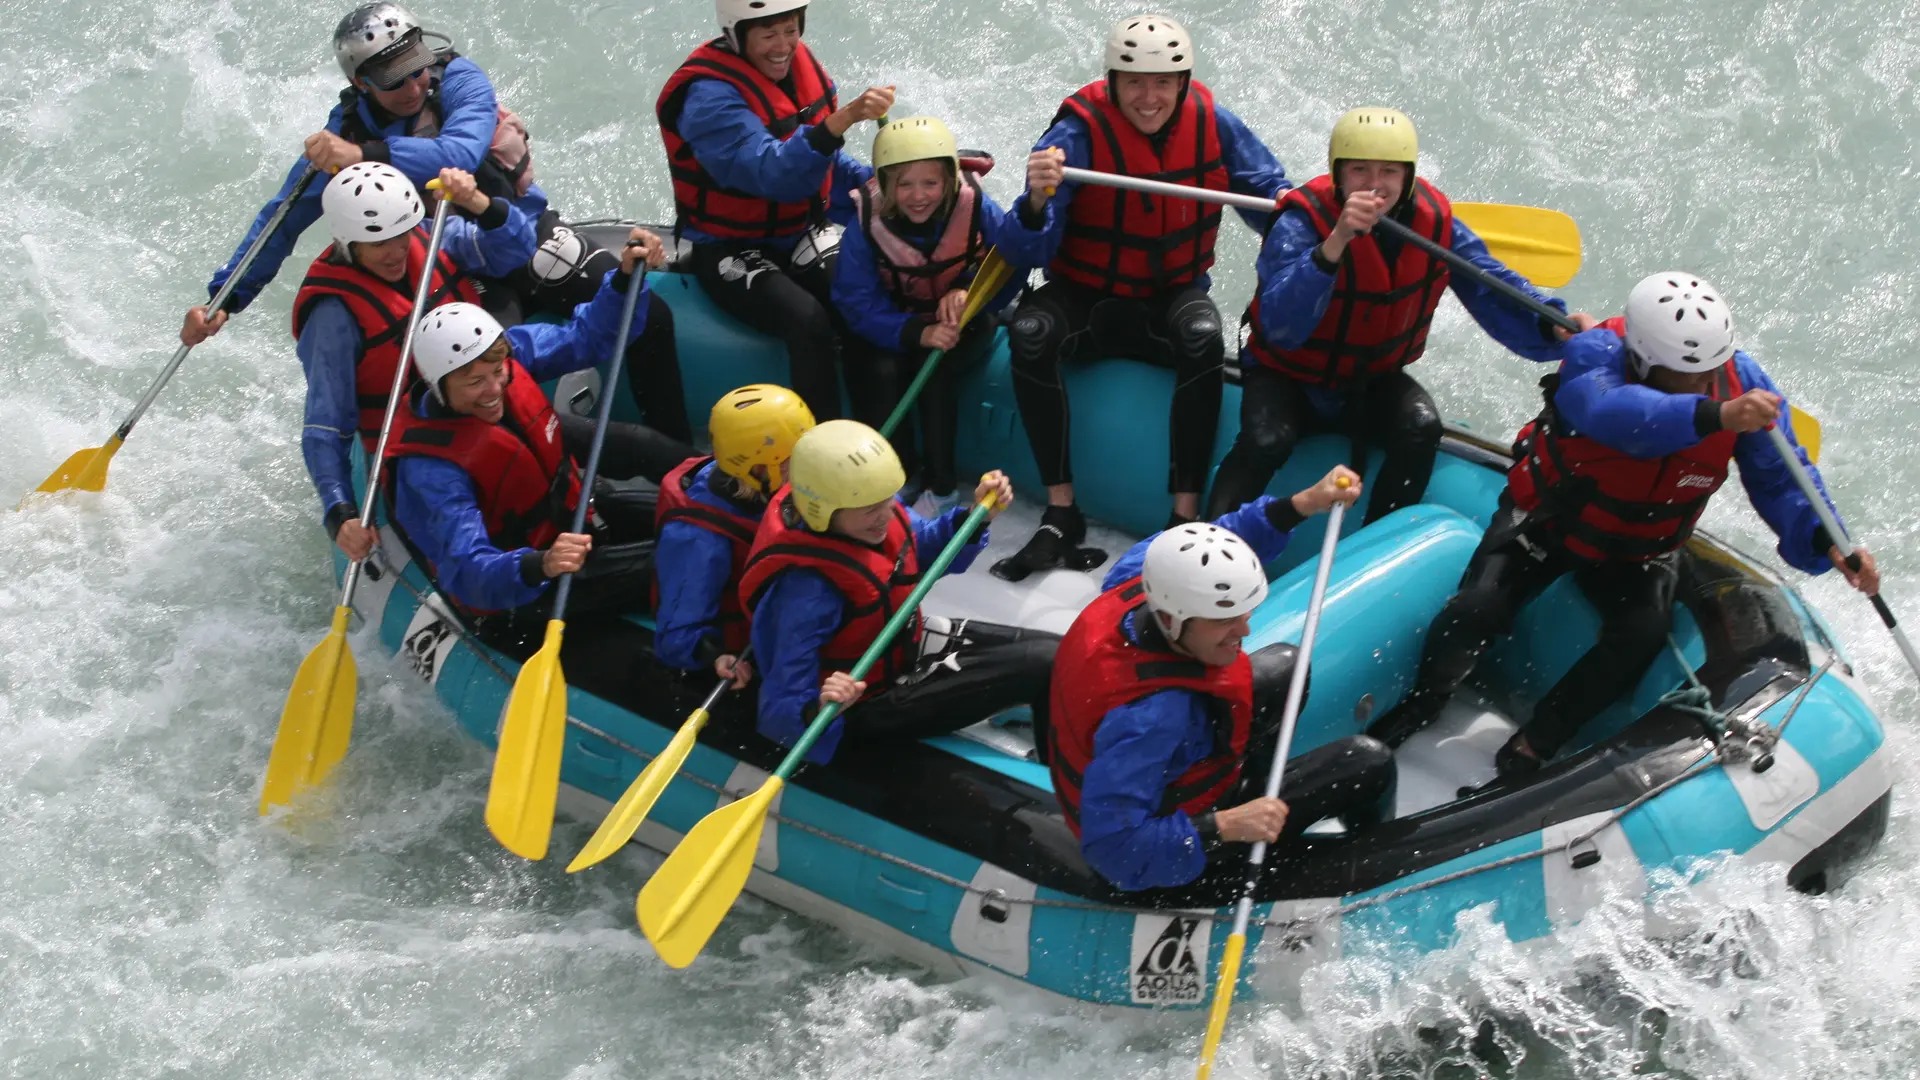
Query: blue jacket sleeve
pixel 280 245
pixel 1035 242
pixel 329 349
pixel 848 174
pixel 1250 523
pixel 550 350
pixel 693 566
pixel 1293 288
pixel 799 613
pixel 1138 750
pixel 1000 227
pixel 736 148
pixel 434 502
pixel 1506 322
pixel 930 536
pixel 466 132
pixel 1771 488
pixel 862 298
pixel 1251 166
pixel 1600 399
pixel 493 252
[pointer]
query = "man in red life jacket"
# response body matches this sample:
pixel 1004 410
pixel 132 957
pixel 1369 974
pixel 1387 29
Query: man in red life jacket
pixel 1126 272
pixel 1163 728
pixel 1641 425
pixel 1341 309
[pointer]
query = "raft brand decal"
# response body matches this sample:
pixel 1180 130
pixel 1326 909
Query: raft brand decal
pixel 429 639
pixel 1168 961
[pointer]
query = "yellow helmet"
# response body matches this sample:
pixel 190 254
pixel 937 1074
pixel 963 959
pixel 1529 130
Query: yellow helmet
pixel 1373 134
pixel 839 465
pixel 917 138
pixel 757 425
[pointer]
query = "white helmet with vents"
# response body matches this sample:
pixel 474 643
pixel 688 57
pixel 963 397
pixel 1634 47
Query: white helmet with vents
pixel 1675 320
pixel 734 12
pixel 369 202
pixel 1201 571
pixel 451 337
pixel 1149 43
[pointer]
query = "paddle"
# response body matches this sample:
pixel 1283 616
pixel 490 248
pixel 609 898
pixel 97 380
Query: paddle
pixel 684 901
pixel 526 767
pixel 1229 975
pixel 86 470
pixel 1542 246
pixel 317 720
pixel 632 809
pixel 1840 539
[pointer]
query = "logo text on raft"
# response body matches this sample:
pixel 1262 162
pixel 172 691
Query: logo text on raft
pixel 1168 960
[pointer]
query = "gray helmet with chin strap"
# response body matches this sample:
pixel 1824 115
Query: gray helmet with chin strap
pixel 382 43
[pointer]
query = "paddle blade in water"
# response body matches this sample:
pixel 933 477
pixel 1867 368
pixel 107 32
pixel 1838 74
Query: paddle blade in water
pixel 1222 1003
pixel 317 721
pixel 631 810
pixel 84 471
pixel 684 901
pixel 526 771
pixel 1542 246
pixel 1806 429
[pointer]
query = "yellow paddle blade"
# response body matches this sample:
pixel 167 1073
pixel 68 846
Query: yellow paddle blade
pixel 993 275
pixel 631 810
pixel 684 901
pixel 1542 246
pixel 1806 428
pixel 1222 1003
pixel 526 771
pixel 317 721
pixel 86 470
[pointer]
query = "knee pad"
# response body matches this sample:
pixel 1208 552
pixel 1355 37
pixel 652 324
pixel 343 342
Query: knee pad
pixel 1030 336
pixel 1272 674
pixel 1271 442
pixel 1197 332
pixel 1420 424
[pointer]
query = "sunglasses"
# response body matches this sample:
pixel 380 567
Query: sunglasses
pixel 399 82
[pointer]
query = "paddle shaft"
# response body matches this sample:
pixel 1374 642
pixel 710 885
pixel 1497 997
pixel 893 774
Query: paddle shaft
pixel 219 298
pixel 1838 535
pixel 636 283
pixel 402 369
pixel 1254 202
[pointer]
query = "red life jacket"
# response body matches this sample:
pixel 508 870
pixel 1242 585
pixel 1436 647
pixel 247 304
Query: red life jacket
pixel 1104 669
pixel 874 579
pixel 915 279
pixel 1605 505
pixel 381 308
pixel 1376 321
pixel 702 201
pixel 736 529
pixel 1125 243
pixel 522 477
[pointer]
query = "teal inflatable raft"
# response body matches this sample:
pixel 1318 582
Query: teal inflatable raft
pixel 953 853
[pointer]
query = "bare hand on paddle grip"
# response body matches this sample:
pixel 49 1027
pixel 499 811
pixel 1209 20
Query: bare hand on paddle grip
pixel 355 539
pixel 198 327
pixel 734 668
pixel 841 689
pixel 567 555
pixel 1750 412
pixel 1259 820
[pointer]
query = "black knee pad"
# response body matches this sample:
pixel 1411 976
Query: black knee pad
pixel 1272 674
pixel 1197 333
pixel 1271 442
pixel 1419 424
pixel 1031 336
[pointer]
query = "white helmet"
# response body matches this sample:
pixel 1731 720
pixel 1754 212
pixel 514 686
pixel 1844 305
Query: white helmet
pixel 1676 320
pixel 733 12
pixel 1149 43
pixel 560 256
pixel 370 201
pixel 382 32
pixel 1201 571
pixel 451 337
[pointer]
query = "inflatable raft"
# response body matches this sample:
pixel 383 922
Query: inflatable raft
pixel 1748 737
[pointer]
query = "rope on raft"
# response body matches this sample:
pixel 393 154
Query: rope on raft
pixel 1734 741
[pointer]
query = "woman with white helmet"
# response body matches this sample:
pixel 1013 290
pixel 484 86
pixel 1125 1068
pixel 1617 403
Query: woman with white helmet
pixel 484 472
pixel 1162 726
pixel 925 227
pixel 1127 273
pixel 351 310
pixel 754 134
pixel 1642 423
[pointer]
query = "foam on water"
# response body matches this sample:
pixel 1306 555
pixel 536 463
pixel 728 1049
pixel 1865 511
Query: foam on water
pixel 150 925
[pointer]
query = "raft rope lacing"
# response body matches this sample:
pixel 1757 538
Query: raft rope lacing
pixel 1732 743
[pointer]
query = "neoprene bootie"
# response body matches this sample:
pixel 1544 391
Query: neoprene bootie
pixel 1053 546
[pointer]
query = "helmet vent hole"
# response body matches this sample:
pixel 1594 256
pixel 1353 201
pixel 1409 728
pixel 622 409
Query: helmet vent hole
pixel 1177 58
pixel 1222 586
pixel 1205 557
pixel 1702 313
pixel 1691 344
pixel 1679 313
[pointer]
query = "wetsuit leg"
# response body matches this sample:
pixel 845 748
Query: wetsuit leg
pixel 1635 601
pixel 653 373
pixel 969 678
pixel 1402 420
pixel 1348 778
pixel 1274 416
pixel 876 378
pixel 615 578
pixel 1510 567
pixel 631 451
pixel 755 287
pixel 1047 329
pixel 1191 324
pixel 939 405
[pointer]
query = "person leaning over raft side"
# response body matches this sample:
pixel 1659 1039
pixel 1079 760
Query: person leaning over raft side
pixel 1162 728
pixel 710 508
pixel 407 107
pixel 1641 424
pixel 901 279
pixel 835 557
pixel 754 133
pixel 1127 273
pixel 484 472
pixel 351 312
pixel 1340 310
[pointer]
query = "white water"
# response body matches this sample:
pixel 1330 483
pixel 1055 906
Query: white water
pixel 151 926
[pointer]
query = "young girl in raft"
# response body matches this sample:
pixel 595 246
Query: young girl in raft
pixel 901 284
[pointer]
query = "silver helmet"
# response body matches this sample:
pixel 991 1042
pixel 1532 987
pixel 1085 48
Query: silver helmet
pixel 381 43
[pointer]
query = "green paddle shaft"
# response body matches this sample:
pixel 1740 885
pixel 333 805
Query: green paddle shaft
pixel 887 634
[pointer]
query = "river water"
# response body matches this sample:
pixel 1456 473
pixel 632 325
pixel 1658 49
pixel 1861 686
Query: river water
pixel 150 925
